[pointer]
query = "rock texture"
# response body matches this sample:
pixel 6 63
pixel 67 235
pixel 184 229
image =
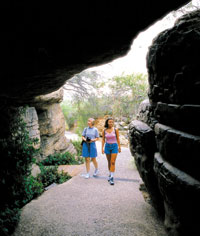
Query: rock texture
pixel 31 120
pixel 45 43
pixel 165 140
pixel 52 124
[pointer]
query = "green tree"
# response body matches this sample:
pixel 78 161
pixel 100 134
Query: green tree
pixel 128 91
pixel 70 113
pixel 122 99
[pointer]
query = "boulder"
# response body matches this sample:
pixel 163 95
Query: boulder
pixel 142 147
pixel 52 125
pixel 181 194
pixel 172 123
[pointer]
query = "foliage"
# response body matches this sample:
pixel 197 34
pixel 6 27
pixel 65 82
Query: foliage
pixel 69 112
pixel 119 97
pixel 50 175
pixel 78 147
pixel 60 159
pixel 127 93
pixel 17 185
pixel 81 85
pixel 17 157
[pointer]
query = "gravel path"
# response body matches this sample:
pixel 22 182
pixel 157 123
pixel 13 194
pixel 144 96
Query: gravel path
pixel 91 207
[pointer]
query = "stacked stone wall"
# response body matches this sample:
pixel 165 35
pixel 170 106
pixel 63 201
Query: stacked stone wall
pixel 165 140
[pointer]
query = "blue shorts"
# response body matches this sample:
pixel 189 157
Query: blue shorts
pixel 89 150
pixel 111 148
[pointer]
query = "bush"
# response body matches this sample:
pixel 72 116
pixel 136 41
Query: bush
pixel 50 175
pixel 78 147
pixel 17 157
pixel 60 159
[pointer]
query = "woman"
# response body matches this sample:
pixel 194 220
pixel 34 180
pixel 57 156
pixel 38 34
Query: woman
pixel 89 150
pixel 110 135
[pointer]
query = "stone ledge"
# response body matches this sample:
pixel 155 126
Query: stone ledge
pixel 181 194
pixel 143 147
pixel 183 117
pixel 179 148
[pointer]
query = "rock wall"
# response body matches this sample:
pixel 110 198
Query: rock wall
pixel 31 120
pixel 52 124
pixel 46 44
pixel 45 121
pixel 165 140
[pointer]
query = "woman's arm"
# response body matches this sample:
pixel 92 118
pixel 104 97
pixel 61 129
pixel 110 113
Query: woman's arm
pixel 118 140
pixel 94 140
pixel 96 136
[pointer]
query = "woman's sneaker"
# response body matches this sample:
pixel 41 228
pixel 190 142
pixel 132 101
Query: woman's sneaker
pixel 96 172
pixel 109 178
pixel 87 176
pixel 112 181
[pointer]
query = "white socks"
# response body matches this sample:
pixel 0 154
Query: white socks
pixel 112 174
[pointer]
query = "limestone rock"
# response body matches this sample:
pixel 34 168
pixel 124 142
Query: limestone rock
pixel 181 194
pixel 123 140
pixel 54 49
pixel 35 170
pixel 31 120
pixel 179 148
pixel 145 113
pixel 99 124
pixel 173 63
pixel 143 146
pixel 52 131
pixel 51 98
pixel 184 117
pixel 173 113
pixel 52 124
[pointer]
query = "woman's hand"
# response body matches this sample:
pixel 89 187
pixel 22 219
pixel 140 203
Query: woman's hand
pixel 102 151
pixel 119 149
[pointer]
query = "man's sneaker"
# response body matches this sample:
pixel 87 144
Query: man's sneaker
pixel 109 178
pixel 87 176
pixel 112 181
pixel 96 172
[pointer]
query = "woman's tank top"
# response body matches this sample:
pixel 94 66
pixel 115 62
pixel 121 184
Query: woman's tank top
pixel 111 137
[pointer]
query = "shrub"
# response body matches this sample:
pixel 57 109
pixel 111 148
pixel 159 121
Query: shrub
pixel 17 157
pixel 60 159
pixel 78 147
pixel 50 175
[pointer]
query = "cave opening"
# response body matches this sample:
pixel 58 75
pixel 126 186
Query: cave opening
pixel 169 122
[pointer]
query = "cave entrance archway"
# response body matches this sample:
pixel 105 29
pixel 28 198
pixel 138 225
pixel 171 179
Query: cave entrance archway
pixel 45 66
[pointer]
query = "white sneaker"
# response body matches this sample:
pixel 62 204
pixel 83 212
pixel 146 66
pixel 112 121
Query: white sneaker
pixel 96 172
pixel 87 176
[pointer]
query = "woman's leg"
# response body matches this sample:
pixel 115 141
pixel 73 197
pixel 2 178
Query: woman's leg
pixel 109 159
pixel 95 162
pixel 112 167
pixel 112 162
pixel 87 164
